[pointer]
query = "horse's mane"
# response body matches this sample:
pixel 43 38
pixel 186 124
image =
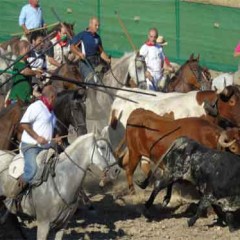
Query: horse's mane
pixel 125 57
pixel 76 142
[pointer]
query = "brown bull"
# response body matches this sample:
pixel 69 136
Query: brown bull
pixel 149 135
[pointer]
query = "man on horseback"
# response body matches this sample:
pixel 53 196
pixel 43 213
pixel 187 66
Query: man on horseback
pixel 22 88
pixel 31 17
pixel 57 55
pixel 87 45
pixel 38 123
pixel 154 58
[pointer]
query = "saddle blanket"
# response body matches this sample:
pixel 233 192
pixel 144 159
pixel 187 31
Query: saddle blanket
pixel 16 167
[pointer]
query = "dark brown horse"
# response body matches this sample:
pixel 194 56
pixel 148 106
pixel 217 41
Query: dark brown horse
pixel 9 125
pixel 67 70
pixel 191 76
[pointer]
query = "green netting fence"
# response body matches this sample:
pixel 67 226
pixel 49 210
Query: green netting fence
pixel 211 31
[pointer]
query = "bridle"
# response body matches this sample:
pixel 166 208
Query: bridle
pixel 140 59
pixel 105 158
pixel 200 75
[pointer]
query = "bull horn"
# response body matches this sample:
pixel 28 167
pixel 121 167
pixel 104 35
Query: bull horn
pixel 225 92
pixel 222 142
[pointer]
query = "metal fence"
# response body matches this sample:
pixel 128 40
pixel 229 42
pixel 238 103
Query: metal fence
pixel 211 31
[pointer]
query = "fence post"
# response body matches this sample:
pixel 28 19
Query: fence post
pixel 177 14
pixel 99 15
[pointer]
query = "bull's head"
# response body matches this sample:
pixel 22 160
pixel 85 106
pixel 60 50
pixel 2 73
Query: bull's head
pixel 230 139
pixel 228 104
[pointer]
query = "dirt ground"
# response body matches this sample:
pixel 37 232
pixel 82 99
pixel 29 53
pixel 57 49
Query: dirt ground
pixel 228 3
pixel 127 218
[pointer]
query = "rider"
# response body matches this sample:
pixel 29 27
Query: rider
pixel 38 123
pixel 31 17
pixel 22 88
pixel 154 58
pixel 57 54
pixel 87 45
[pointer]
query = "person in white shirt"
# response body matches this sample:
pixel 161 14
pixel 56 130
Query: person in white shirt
pixel 154 58
pixel 38 123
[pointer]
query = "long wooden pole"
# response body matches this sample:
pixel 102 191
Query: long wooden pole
pixel 36 29
pixel 126 32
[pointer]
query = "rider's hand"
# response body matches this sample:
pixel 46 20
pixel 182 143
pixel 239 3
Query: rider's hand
pixel 81 55
pixel 41 140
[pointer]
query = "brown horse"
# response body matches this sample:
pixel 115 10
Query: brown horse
pixel 191 76
pixel 9 119
pixel 68 70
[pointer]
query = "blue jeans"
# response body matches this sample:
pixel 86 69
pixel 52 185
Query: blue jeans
pixel 30 153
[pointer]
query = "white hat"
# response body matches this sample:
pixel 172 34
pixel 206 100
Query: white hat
pixel 160 40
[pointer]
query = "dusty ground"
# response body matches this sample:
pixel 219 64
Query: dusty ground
pixel 228 3
pixel 127 219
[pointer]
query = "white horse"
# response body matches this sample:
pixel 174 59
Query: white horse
pixel 99 103
pixel 56 200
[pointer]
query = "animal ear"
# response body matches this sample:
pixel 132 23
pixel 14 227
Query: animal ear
pixel 198 57
pixel 191 57
pixel 226 93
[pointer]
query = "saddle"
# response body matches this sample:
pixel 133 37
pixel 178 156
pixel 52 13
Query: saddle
pixel 46 161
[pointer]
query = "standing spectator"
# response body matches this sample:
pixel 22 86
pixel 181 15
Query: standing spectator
pixel 87 45
pixel 154 58
pixel 31 17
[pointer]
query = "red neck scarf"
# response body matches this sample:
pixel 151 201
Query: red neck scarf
pixel 61 43
pixel 148 43
pixel 46 103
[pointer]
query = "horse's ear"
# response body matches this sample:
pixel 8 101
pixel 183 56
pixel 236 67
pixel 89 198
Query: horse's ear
pixel 79 94
pixel 198 57
pixel 191 57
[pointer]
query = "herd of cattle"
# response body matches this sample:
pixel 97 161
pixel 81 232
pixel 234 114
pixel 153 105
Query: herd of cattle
pixel 191 136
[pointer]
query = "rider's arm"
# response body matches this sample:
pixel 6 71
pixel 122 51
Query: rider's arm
pixel 27 127
pixel 75 50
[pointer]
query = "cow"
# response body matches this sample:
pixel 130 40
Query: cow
pixel 219 108
pixel 215 175
pixel 150 135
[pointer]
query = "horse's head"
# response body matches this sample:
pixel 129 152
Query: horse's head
pixel 105 159
pixel 137 69
pixel 78 111
pixel 71 71
pixel 191 76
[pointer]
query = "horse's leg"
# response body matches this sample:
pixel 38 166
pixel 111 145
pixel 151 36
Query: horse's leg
pixel 42 230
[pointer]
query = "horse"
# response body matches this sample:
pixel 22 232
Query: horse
pixel 69 109
pixel 189 77
pixel 55 201
pixel 125 71
pixel 67 70
pixel 9 125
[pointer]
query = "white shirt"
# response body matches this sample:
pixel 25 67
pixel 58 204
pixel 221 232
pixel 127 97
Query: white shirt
pixel 59 54
pixel 42 121
pixel 154 57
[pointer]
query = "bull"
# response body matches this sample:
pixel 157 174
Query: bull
pixel 150 135
pixel 215 175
